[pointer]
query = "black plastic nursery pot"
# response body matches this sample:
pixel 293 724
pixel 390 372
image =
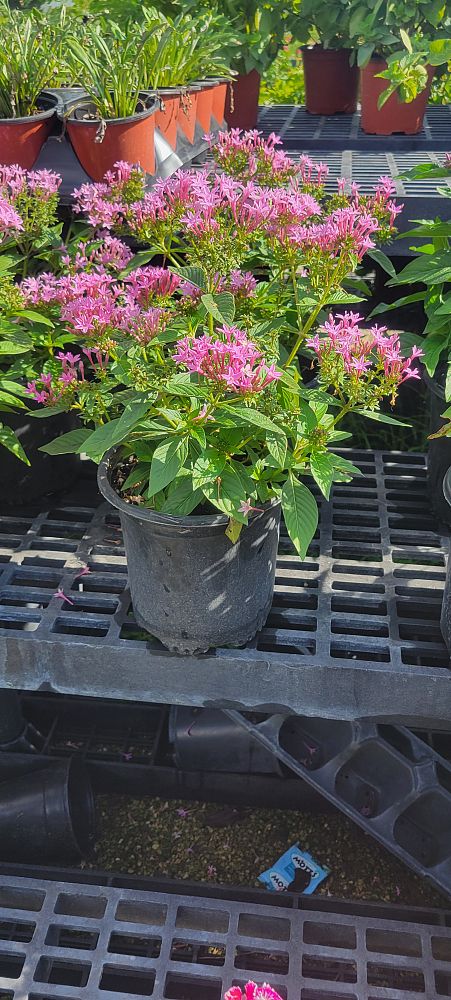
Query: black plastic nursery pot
pixel 48 815
pixel 445 618
pixel 20 483
pixel 190 586
pixel 439 449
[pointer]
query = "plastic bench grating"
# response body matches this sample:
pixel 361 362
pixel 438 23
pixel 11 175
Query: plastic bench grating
pixel 74 941
pixel 353 631
pixel 303 131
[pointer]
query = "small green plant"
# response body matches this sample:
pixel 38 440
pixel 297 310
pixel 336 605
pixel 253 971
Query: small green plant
pixel 175 54
pixel 283 82
pixel 325 24
pixel 111 68
pixel 30 61
pixel 408 34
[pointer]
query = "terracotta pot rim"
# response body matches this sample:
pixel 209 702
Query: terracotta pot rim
pixel 39 116
pixel 94 122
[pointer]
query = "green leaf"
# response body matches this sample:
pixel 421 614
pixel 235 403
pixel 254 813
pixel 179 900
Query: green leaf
pixel 140 258
pixel 300 512
pixel 431 270
pixel 67 444
pixel 208 467
pixel 167 461
pixel 182 499
pixel 196 275
pixel 48 411
pixel 183 385
pixel 6 263
pixel 384 307
pixel 137 476
pixel 382 418
pixel 233 530
pixel 9 440
pixel 433 346
pixel 112 433
pixel 384 262
pixel 341 297
pixel 322 467
pixel 227 494
pixel 254 417
pixel 221 306
pixel 277 444
pixel 406 40
pixel 439 51
pixel 36 317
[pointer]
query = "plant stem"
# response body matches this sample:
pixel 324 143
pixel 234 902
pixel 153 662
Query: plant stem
pixel 313 315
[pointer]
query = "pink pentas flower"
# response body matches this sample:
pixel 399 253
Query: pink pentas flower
pixel 252 991
pixel 10 220
pixel 447 161
pixel 232 360
pixel 45 183
pixel 242 283
pixel 363 351
pixel 145 283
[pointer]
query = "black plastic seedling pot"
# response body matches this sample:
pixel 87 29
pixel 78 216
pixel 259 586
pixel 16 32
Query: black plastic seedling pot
pixel 47 815
pixel 439 449
pixel 190 586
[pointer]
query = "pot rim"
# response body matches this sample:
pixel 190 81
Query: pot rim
pixel 447 486
pixel 39 116
pixel 107 466
pixel 94 122
pixel 320 48
pixel 432 384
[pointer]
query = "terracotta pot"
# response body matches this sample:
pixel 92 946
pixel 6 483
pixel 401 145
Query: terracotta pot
pixel 331 84
pixel 394 116
pixel 242 101
pixel 204 103
pixel 21 139
pixel 130 139
pixel 166 116
pixel 220 87
pixel 188 112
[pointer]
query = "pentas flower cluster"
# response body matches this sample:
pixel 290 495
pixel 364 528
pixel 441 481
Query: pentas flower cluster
pixel 231 360
pixel 364 365
pixel 252 991
pixel 28 202
pixel 248 156
pixel 379 203
pixel 108 253
pixel 50 389
pixel 100 306
pixel 345 232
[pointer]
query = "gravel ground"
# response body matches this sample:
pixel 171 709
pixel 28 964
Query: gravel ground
pixel 207 842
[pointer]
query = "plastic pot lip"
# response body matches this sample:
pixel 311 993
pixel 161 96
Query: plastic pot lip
pixel 107 466
pixel 94 122
pixel 433 385
pixel 447 487
pixel 83 838
pixel 320 50
pixel 169 91
pixel 39 116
